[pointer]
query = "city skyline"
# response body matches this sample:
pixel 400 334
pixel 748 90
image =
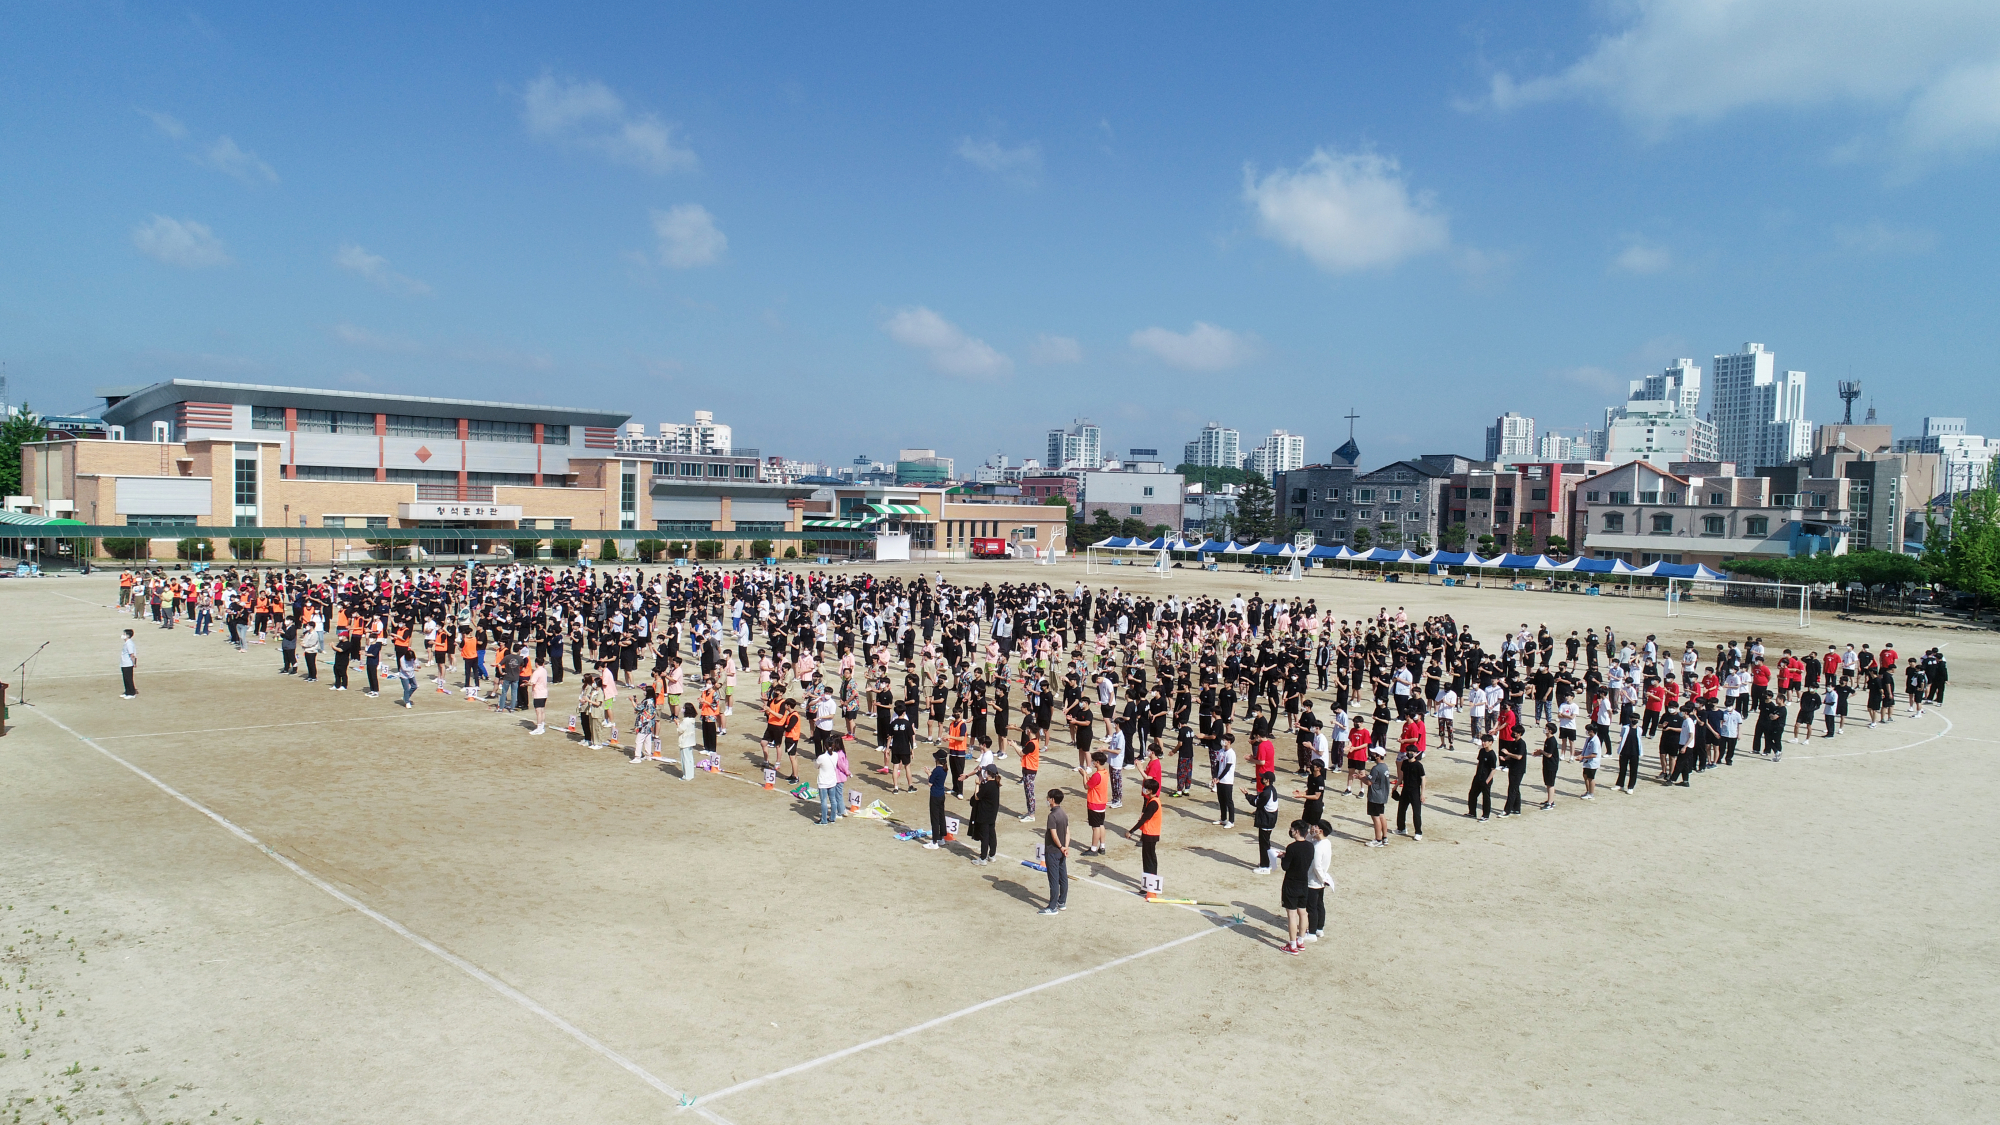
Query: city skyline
pixel 1456 208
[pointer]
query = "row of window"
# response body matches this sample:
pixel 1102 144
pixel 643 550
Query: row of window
pixel 395 476
pixel 405 425
pixel 1364 514
pixel 703 527
pixel 1663 524
pixel 701 469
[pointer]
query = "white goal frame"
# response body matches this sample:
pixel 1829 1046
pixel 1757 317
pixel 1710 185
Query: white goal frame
pixel 1768 595
pixel 1158 566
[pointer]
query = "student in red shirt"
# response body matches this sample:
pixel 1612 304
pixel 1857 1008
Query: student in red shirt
pixel 1096 800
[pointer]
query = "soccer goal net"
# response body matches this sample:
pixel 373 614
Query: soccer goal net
pixel 1695 597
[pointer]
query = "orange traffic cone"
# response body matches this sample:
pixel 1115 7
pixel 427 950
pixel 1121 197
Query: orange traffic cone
pixel 572 725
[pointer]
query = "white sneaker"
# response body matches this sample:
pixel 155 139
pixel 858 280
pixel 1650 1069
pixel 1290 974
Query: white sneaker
pixel 930 847
pixel 538 730
pixel 1261 871
pixel 1310 937
pixel 1028 819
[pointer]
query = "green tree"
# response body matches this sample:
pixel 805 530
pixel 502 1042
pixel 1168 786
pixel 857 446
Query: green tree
pixel 1558 545
pixel 1102 526
pixel 1486 544
pixel 1215 474
pixel 246 548
pixel 1132 527
pixel 565 548
pixel 650 549
pixel 761 548
pixel 1524 540
pixel 195 549
pixel 1966 557
pixel 1453 537
pixel 19 430
pixel 1362 538
pixel 1256 509
pixel 1389 535
pixel 608 550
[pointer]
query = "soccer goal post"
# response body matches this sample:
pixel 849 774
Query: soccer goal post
pixel 1699 598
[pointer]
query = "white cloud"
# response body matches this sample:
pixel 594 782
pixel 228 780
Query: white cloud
pixel 1055 349
pixel 225 156
pixel 688 236
pixel 1346 211
pixel 1881 238
pixel 375 268
pixel 950 350
pixel 1021 164
pixel 166 123
pixel 180 242
pixel 1643 257
pixel 589 115
pixel 1933 66
pixel 1202 348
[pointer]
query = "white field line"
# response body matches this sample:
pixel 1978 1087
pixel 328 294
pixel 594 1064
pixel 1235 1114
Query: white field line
pixel 927 1025
pixel 277 726
pixel 414 938
pixel 1884 750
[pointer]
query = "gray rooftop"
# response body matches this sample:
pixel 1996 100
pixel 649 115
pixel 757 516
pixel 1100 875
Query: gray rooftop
pixel 146 400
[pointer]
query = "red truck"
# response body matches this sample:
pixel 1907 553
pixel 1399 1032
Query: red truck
pixel 989 548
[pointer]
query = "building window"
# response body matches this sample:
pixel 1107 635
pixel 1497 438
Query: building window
pixel 1663 524
pixel 1711 525
pixel 1649 497
pixel 1482 494
pixel 1621 498
pixel 520 433
pixel 1783 500
pixel 382 522
pixel 761 526
pixel 745 472
pixel 348 473
pixel 1614 521
pixel 1718 499
pixel 1503 496
pixel 1137 510
pixel 510 480
pixel 267 417
pixel 1458 494
pixel 1538 494
pixel 1364 494
pixel 402 476
pixel 1591 497
pixel 335 422
pixel 1757 525
pixel 1319 513
pixel 1412 516
pixel 1366 514
pixel 690 469
pixel 1333 494
pixel 418 426
pixel 684 527
pixel 1148 492
pixel 1395 496
pixel 159 521
pixel 555 435
pixel 1340 513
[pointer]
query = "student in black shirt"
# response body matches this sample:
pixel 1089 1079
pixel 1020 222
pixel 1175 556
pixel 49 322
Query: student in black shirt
pixel 1297 862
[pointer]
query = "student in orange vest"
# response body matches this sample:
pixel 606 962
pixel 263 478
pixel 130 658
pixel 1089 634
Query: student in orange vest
pixel 955 736
pixel 709 715
pixel 1146 832
pixel 795 723
pixel 1031 763
pixel 468 653
pixel 1096 800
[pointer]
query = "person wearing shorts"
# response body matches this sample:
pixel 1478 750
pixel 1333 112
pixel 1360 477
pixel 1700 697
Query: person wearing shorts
pixel 1096 799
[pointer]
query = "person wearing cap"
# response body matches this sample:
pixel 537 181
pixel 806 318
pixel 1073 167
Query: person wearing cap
pixel 1378 797
pixel 986 814
pixel 939 779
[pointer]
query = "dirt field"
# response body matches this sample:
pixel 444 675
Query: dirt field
pixel 430 916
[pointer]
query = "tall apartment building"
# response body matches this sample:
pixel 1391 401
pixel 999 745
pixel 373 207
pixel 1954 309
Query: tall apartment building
pixel 1081 446
pixel 1760 415
pixel 1510 437
pixel 702 436
pixel 1281 453
pixel 1966 459
pixel 1216 447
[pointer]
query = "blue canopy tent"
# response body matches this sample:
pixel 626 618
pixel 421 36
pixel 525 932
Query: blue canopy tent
pixel 1596 566
pixel 1680 570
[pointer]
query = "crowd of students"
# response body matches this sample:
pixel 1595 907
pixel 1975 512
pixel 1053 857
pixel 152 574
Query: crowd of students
pixel 1134 682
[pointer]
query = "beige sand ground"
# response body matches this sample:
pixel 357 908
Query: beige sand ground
pixel 1812 940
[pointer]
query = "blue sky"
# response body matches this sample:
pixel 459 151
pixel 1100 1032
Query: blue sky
pixel 849 228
